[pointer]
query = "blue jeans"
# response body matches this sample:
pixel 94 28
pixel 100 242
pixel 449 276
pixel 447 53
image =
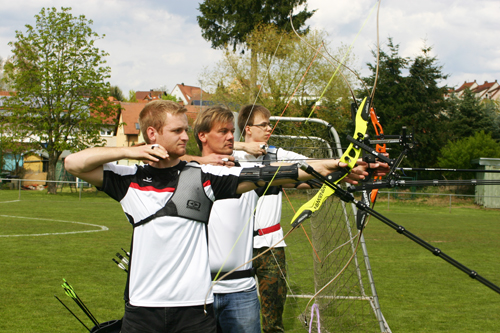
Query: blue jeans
pixel 238 312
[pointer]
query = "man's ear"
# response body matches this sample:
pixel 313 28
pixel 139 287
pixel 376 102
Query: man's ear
pixel 151 132
pixel 202 136
pixel 248 130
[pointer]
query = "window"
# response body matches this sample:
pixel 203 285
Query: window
pixel 106 132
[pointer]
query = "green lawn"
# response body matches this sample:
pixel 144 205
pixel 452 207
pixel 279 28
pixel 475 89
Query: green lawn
pixel 418 292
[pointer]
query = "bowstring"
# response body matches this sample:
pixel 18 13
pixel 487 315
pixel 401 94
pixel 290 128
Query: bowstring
pixel 341 61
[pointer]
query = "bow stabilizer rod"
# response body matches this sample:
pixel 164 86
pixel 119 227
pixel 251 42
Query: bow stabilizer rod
pixel 348 197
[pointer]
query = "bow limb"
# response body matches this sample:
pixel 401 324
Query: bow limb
pixel 372 96
pixel 379 148
pixel 349 157
pixel 376 124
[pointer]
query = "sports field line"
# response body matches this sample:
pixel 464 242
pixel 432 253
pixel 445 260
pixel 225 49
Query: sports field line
pixel 10 201
pixel 102 228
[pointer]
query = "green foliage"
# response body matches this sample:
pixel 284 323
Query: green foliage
pixel 228 23
pixel 460 153
pixel 4 85
pixel 279 76
pixel 168 97
pixel 131 96
pixel 415 100
pixel 468 114
pixel 117 93
pixel 61 101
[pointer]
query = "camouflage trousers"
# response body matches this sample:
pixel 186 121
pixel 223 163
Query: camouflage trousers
pixel 270 270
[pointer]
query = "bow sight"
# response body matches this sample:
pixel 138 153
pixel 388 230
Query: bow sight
pixel 393 179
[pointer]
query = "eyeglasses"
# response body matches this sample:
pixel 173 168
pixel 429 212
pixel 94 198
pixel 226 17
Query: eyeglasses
pixel 263 125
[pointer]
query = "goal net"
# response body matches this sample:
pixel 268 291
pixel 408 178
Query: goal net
pixel 327 252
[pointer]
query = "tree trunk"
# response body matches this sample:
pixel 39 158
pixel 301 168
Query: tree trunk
pixel 51 172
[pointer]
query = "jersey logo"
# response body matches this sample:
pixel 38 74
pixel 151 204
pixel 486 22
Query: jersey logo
pixel 191 204
pixel 148 180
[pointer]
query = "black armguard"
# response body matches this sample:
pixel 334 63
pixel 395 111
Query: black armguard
pixel 314 183
pixel 266 173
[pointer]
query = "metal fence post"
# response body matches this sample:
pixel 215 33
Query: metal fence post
pixel 80 184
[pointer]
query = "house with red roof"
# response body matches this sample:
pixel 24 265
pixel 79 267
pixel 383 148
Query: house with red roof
pixel 487 90
pixel 190 95
pixel 148 96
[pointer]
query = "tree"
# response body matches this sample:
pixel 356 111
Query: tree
pixel 415 100
pixel 278 77
pixel 61 97
pixel 4 84
pixel 117 93
pixel 228 23
pixel 468 115
pixel 131 96
pixel 459 154
pixel 168 97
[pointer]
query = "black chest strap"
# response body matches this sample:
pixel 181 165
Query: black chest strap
pixel 188 201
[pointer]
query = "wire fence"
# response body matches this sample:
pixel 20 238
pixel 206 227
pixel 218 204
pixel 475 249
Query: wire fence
pixel 83 189
pixel 77 187
pixel 448 199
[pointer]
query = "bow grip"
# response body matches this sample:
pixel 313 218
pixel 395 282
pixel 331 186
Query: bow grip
pixel 301 218
pixel 337 175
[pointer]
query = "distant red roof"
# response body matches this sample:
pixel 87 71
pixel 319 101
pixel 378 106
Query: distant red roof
pixel 148 95
pixel 466 85
pixel 486 85
pixel 191 93
pixel 130 116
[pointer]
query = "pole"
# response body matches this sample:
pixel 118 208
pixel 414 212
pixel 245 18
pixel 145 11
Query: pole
pixel 201 94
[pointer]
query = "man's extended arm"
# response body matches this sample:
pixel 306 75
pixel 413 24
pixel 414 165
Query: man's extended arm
pixel 252 148
pixel 324 167
pixel 87 164
pixel 212 159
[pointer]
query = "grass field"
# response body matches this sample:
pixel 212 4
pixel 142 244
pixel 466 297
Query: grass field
pixel 418 292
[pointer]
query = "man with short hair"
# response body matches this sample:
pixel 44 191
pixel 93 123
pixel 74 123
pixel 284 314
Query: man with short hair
pixel 270 267
pixel 168 203
pixel 230 234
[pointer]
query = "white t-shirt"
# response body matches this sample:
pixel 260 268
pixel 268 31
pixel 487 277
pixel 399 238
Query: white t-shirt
pixel 268 211
pixel 169 258
pixel 230 239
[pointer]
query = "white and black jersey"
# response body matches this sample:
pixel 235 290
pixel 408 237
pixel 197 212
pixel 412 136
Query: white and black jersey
pixel 230 231
pixel 169 258
pixel 268 209
pixel 233 221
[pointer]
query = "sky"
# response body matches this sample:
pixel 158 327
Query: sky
pixel 155 43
